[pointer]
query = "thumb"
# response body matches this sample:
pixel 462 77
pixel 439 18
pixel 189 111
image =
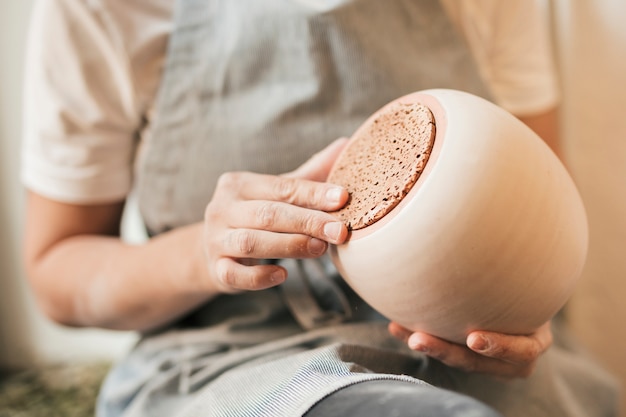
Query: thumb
pixel 318 166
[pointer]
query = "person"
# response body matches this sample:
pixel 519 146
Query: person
pixel 208 112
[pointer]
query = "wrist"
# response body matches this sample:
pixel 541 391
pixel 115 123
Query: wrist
pixel 198 276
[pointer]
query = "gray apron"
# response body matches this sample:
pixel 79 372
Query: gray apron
pixel 260 86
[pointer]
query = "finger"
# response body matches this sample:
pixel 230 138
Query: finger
pixel 515 349
pixel 320 164
pixel 448 352
pixel 261 244
pixel 299 192
pixel 460 357
pixel 399 331
pixel 232 276
pixel 285 218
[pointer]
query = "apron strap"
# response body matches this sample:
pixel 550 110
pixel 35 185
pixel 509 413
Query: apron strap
pixel 307 278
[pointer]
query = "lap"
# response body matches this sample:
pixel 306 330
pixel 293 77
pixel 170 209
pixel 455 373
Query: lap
pixel 398 398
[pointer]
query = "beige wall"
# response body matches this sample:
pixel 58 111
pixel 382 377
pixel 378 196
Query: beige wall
pixel 26 337
pixel 15 319
pixel 591 39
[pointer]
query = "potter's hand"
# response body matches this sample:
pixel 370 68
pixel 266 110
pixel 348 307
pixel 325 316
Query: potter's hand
pixel 253 216
pixel 491 353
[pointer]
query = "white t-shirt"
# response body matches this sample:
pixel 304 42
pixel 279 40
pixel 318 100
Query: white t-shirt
pixel 94 66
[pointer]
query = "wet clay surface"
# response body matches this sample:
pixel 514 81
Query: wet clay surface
pixel 383 161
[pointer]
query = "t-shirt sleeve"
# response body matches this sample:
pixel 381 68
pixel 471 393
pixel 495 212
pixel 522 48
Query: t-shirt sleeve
pixel 520 67
pixel 80 114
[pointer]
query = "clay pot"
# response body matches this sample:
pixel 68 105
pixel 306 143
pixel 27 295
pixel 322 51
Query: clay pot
pixel 492 235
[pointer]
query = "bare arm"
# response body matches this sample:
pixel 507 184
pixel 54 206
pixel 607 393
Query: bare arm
pixel 84 275
pixel 546 126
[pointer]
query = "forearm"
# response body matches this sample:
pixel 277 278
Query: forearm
pixel 546 126
pixel 84 275
pixel 90 280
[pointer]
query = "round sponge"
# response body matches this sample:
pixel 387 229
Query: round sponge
pixel 383 160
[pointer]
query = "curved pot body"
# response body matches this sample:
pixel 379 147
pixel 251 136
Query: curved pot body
pixel 493 235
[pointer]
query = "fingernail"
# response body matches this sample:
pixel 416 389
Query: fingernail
pixel 480 343
pixel 316 246
pixel 416 344
pixel 333 230
pixel 277 277
pixel 334 194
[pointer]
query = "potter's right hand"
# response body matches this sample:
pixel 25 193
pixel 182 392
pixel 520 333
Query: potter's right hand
pixel 254 216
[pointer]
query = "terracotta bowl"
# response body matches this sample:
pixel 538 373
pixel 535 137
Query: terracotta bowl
pixel 489 231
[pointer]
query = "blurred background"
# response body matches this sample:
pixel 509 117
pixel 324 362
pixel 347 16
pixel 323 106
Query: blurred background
pixel 590 48
pixel 27 338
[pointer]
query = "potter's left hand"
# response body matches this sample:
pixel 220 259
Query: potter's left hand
pixel 497 354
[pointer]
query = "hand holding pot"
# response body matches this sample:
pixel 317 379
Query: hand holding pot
pixel 497 354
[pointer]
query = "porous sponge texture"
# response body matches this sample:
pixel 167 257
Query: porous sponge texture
pixel 383 161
